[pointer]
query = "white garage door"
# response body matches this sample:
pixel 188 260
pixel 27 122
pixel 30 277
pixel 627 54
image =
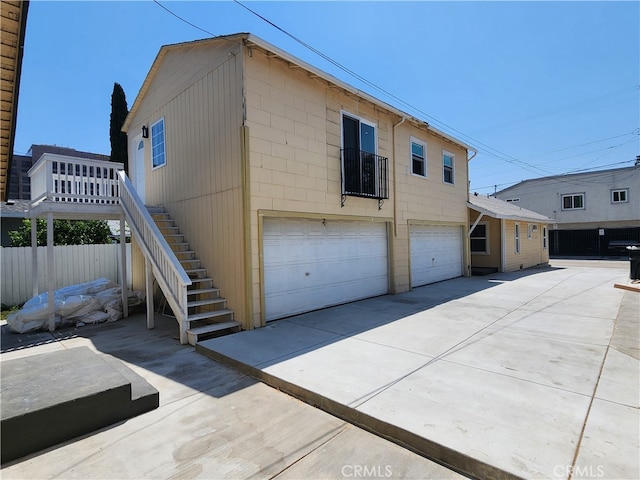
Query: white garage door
pixel 436 253
pixel 312 263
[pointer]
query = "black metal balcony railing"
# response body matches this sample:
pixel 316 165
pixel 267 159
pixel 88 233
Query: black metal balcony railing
pixel 364 174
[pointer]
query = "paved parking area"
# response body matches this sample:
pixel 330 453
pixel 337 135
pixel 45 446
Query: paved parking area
pixel 213 422
pixel 533 374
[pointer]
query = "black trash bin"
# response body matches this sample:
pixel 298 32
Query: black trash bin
pixel 634 260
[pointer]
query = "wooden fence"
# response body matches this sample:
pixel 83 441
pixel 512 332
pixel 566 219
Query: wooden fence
pixel 73 264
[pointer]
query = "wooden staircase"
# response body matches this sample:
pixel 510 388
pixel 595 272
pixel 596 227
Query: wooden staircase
pixel 208 315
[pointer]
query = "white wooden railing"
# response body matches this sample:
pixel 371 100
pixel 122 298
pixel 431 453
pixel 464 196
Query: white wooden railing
pixel 167 269
pixel 59 178
pixel 80 181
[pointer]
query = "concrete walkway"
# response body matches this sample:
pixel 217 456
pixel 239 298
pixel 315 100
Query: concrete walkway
pixel 533 374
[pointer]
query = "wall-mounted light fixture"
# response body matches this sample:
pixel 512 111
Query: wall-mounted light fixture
pixel 145 132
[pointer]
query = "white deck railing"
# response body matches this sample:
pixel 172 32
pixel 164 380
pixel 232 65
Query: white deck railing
pixel 167 269
pixel 59 178
pixel 79 181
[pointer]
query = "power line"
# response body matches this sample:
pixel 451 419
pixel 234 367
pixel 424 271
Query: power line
pixel 490 151
pixel 182 19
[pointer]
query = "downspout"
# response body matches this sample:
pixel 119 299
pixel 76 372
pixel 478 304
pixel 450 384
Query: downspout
pixel 467 243
pixel 395 173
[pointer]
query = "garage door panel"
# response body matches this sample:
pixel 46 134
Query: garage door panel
pixel 436 253
pixel 309 264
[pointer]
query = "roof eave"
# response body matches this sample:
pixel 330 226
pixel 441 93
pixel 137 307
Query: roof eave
pixel 257 41
pixel 500 216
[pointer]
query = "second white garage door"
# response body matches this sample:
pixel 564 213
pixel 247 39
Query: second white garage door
pixel 436 253
pixel 314 263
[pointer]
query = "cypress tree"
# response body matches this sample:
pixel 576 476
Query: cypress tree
pixel 118 138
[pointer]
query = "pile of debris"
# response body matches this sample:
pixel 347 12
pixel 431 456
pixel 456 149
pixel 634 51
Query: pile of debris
pixel 76 305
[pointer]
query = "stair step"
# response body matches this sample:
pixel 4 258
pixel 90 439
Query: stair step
pixel 190 262
pixel 195 271
pixel 156 210
pixel 179 246
pixel 174 238
pixel 201 303
pixel 202 291
pixel 215 329
pixel 194 317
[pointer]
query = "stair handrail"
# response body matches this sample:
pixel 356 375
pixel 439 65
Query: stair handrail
pixel 169 273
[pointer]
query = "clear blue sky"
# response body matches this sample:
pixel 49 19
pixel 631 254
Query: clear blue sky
pixel 539 88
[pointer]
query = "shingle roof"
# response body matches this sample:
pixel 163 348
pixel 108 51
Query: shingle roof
pixel 497 208
pixel 15 208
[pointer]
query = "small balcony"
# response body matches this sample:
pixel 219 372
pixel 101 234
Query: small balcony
pixel 364 174
pixel 75 187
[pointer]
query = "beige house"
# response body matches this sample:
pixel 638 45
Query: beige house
pixel 295 190
pixel 505 237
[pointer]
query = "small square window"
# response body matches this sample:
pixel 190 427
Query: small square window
pixel 480 239
pixel 574 201
pixel 619 196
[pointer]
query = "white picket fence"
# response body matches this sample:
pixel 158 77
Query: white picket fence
pixel 73 264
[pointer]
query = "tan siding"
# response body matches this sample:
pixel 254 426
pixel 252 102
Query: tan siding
pixel 494 258
pixel 199 94
pixel 294 122
pixel 531 251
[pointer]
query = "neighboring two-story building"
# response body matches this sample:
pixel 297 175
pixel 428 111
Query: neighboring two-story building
pixel 592 213
pixel 16 208
pixel 296 190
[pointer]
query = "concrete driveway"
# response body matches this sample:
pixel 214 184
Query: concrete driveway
pixel 533 374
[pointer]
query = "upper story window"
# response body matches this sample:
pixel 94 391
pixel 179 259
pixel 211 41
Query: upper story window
pixel 620 195
pixel 448 161
pixel 573 201
pixel 364 173
pixel 158 156
pixel 418 157
pixel 480 239
pixel 513 200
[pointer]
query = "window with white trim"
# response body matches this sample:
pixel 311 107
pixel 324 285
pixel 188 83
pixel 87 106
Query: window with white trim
pixel 158 156
pixel 448 165
pixel 573 201
pixel 513 200
pixel 517 237
pixel 620 195
pixel 545 237
pixel 480 239
pixel 418 157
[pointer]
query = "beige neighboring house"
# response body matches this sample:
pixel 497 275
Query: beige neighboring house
pixel 505 237
pixel 295 190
